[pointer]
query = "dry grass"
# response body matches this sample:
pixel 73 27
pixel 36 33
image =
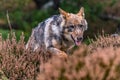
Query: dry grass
pixel 97 61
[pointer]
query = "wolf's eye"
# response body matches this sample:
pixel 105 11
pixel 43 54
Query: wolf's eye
pixel 80 26
pixel 70 28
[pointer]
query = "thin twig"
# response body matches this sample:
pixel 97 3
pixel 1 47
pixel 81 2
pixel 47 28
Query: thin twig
pixel 8 20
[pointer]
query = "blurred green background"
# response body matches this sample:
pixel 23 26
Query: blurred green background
pixel 102 15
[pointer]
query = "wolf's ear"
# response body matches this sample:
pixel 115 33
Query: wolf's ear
pixel 64 13
pixel 81 12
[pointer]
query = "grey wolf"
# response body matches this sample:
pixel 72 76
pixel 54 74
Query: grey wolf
pixel 58 33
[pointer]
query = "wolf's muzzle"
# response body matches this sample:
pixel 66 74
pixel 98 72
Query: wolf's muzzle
pixel 77 41
pixel 79 38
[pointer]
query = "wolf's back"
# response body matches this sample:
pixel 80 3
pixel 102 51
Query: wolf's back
pixel 36 39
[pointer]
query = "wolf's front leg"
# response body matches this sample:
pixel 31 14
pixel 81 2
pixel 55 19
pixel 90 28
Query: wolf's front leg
pixel 70 49
pixel 57 52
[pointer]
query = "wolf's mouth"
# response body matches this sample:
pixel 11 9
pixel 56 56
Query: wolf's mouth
pixel 77 42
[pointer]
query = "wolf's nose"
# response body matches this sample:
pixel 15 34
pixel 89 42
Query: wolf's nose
pixel 80 38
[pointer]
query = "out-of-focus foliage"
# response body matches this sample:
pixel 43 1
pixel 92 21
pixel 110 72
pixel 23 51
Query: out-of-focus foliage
pixel 87 63
pixel 99 60
pixel 13 4
pixel 18 63
pixel 24 15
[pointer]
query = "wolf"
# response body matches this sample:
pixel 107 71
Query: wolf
pixel 58 33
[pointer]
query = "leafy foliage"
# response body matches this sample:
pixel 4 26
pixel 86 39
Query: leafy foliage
pixel 8 4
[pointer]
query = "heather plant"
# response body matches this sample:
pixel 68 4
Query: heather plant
pixel 86 63
pixel 17 63
pixel 105 41
pixel 97 61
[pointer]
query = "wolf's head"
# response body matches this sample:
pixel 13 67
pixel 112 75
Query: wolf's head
pixel 75 25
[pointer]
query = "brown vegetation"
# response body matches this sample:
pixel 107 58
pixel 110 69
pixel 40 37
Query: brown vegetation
pixel 97 61
pixel 16 62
